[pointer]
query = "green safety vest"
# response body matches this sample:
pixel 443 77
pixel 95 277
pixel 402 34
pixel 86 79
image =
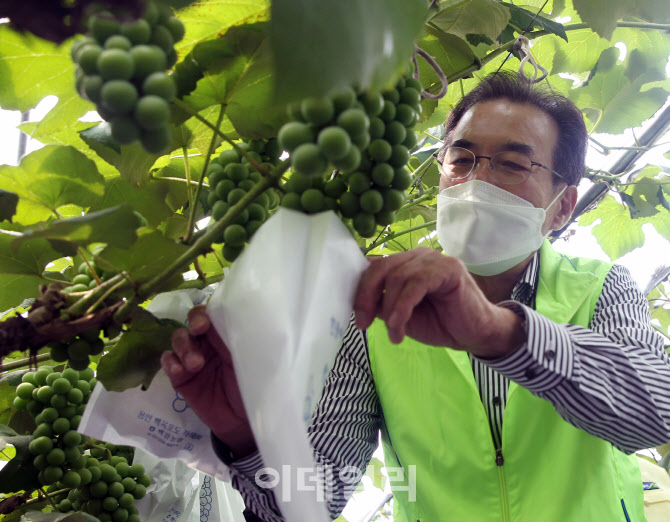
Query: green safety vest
pixel 434 420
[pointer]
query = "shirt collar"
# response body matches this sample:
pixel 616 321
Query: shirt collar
pixel 526 287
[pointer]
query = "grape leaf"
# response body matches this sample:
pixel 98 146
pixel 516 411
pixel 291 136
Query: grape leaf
pixel 132 161
pixel 321 45
pixel 49 178
pixel 150 201
pixel 21 269
pixel 145 259
pixel 136 357
pixel 618 102
pixel 238 75
pixel 18 474
pixel 525 20
pixel 602 15
pixel 451 52
pixel 482 17
pixel 115 226
pixel 617 234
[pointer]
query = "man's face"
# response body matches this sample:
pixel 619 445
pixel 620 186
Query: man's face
pixel 499 125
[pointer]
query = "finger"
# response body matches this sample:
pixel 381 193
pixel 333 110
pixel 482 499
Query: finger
pixel 371 286
pixel 188 350
pixel 198 320
pixel 173 368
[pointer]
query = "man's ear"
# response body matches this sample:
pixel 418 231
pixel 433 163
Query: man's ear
pixel 566 204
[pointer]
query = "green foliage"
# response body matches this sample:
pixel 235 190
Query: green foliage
pixel 361 42
pixel 135 359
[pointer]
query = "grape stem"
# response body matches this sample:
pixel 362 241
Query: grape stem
pixel 394 235
pixel 194 201
pixel 218 131
pixel 80 251
pixel 28 362
pixel 49 499
pixel 438 70
pixel 92 298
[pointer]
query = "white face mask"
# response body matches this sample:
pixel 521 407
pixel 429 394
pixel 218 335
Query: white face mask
pixel 488 228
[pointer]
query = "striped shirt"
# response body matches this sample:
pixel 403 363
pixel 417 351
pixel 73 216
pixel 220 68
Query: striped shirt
pixel 611 380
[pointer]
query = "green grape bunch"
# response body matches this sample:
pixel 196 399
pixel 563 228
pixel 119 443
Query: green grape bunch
pixel 121 67
pixel 366 139
pixel 78 350
pixel 101 478
pixel 230 177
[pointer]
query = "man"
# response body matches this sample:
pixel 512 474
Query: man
pixel 562 347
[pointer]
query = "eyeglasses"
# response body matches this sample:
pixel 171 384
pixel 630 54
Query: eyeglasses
pixel 507 167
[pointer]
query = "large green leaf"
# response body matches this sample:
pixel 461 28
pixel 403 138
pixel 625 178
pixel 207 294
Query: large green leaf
pixel 31 69
pixel 21 268
pixel 602 15
pixel 149 201
pixel 579 54
pixel 132 161
pixel 18 474
pixel 617 101
pixel 617 234
pixel 49 178
pixel 145 259
pixel 451 52
pixel 209 19
pixel 645 196
pixel 527 19
pixel 481 17
pixel 136 357
pixel 115 226
pixel 238 76
pixel 321 45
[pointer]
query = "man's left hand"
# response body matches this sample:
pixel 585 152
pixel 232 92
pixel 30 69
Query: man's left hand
pixel 433 298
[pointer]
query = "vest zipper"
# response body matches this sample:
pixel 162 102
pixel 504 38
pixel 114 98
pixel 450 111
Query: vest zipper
pixel 503 486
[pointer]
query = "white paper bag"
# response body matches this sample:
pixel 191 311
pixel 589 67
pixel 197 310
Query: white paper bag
pixel 283 311
pixel 157 420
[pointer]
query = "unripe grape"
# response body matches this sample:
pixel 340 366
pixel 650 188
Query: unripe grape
pixel 137 31
pixel 294 134
pixel 62 385
pixel 395 133
pixel 382 174
pixel 140 491
pixel 349 205
pixel 102 26
pixel 393 200
pixel 161 37
pixel 61 425
pixel 118 41
pixel 71 438
pixel 371 201
pixel 52 474
pixel 291 200
pixel 334 142
pixel 115 64
pixel 88 58
pixel 159 84
pixel 354 121
pixel 399 156
pixel 25 390
pixel 312 200
pixel 151 112
pixel 343 98
pixel 388 111
pixel 380 150
pixel 176 28
pixel 99 489
pixel 118 96
pixel 317 111
pixel 56 457
pixel 373 103
pixel 110 504
pixel 309 160
pixel 71 479
pixel 364 224
pixel 148 59
pixel 115 490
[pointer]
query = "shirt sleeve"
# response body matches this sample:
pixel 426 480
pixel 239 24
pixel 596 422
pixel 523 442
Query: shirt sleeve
pixel 343 432
pixel 610 380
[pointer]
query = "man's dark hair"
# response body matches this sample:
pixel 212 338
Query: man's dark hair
pixel 570 153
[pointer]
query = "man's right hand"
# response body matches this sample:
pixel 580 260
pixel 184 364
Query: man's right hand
pixel 200 368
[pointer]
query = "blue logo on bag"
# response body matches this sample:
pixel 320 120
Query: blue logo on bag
pixel 205 499
pixel 179 404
